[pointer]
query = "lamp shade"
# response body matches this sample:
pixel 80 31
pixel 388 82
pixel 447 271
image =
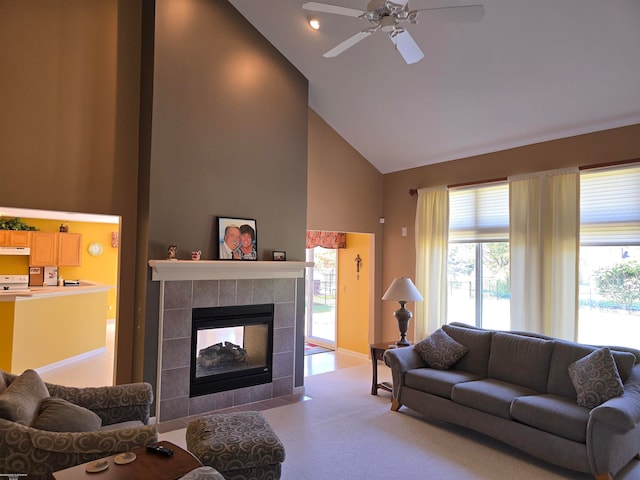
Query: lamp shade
pixel 402 290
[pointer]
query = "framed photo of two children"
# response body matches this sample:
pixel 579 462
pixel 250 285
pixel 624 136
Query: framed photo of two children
pixel 237 238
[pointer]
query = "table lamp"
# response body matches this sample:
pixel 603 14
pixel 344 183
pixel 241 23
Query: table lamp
pixel 402 290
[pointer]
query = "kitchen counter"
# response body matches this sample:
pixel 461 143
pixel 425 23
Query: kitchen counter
pixel 44 292
pixel 51 324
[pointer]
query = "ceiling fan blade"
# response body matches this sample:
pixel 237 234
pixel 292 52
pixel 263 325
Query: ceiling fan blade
pixel 326 8
pixel 462 13
pixel 348 43
pixel 407 47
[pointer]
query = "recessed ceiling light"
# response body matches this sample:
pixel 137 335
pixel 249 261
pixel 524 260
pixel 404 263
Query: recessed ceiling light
pixel 314 23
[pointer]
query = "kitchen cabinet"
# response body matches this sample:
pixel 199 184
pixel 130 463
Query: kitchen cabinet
pixel 56 249
pixel 44 249
pixel 15 238
pixel 69 249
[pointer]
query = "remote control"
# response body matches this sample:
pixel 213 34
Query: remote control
pixel 160 450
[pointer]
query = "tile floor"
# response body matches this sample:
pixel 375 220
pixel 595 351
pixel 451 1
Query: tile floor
pixel 97 370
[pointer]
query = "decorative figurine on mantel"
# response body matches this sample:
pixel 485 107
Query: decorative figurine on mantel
pixel 173 251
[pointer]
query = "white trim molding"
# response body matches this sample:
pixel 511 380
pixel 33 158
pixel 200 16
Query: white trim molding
pixel 224 269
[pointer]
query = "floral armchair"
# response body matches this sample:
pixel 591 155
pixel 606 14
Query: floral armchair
pixel 46 427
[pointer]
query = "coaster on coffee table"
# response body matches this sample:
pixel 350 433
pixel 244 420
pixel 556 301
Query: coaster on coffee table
pixel 97 466
pixel 124 458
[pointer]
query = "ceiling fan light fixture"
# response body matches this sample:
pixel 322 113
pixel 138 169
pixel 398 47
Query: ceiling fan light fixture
pixel 314 23
pixel 387 24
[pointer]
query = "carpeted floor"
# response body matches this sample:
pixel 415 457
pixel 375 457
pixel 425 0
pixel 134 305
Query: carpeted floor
pixel 344 432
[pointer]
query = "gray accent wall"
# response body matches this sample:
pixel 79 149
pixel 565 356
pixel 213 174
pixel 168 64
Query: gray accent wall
pixel 228 138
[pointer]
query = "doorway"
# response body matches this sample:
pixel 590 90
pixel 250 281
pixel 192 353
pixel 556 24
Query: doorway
pixel 322 297
pixel 100 236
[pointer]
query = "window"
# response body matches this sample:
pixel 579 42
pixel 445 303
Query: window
pixel 609 272
pixel 478 266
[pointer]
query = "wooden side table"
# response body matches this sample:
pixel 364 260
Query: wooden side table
pixel 146 465
pixel 377 351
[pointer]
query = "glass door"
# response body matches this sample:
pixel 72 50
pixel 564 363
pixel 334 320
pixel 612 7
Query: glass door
pixel 321 297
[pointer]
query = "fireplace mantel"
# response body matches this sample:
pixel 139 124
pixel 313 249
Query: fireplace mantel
pixel 224 269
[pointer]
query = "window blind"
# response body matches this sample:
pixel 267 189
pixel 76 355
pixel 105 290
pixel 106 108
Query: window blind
pixel 479 213
pixel 610 206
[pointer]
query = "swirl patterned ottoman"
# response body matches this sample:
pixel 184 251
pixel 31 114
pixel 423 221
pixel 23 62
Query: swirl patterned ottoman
pixel 240 445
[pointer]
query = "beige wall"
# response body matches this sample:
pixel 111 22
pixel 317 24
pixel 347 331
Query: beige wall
pixel 344 193
pixel 400 208
pixel 69 120
pixel 344 189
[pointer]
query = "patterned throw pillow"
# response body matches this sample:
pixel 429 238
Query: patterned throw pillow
pixel 19 402
pixel 440 351
pixel 595 378
pixel 58 415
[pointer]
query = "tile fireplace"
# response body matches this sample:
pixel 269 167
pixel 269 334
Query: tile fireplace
pixel 190 289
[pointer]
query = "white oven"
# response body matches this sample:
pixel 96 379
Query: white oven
pixel 14 283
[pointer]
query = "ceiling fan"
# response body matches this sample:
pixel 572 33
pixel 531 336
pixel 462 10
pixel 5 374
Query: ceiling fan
pixel 392 18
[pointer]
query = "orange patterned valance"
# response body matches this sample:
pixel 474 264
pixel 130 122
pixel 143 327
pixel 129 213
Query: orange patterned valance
pixel 319 238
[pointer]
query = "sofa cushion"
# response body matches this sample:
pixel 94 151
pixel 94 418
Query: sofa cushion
pixel 3 382
pixel 122 425
pixel 565 353
pixel 437 382
pixel 20 401
pixel 489 395
pixel 554 414
pixel 520 360
pixel 203 473
pixel 479 344
pixel 440 351
pixel 58 415
pixel 595 378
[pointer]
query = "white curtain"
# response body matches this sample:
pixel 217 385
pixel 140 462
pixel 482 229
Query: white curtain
pixel 544 232
pixel 432 241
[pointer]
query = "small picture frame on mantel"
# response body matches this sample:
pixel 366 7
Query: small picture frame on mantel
pixel 278 256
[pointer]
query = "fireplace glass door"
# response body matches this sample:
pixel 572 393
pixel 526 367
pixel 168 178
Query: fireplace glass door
pixel 231 348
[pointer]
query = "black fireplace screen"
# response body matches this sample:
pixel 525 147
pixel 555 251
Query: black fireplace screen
pixel 231 347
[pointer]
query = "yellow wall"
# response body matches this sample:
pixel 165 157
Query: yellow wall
pixel 101 269
pixel 354 295
pixel 7 310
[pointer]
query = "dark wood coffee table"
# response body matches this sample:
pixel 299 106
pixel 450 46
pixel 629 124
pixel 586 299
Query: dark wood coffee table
pixel 146 466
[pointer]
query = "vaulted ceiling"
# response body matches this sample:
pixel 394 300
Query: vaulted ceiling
pixel 527 71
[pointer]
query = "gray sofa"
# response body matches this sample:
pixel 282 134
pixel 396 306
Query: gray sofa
pixel 517 387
